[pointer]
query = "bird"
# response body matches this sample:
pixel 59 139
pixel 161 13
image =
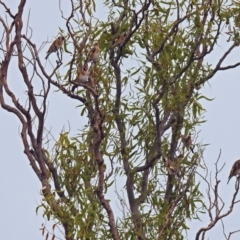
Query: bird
pixel 57 44
pixel 94 53
pixel 187 142
pixel 172 170
pixel 235 170
pixel 82 75
pixel 119 40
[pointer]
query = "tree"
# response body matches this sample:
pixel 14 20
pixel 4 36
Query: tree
pixel 141 99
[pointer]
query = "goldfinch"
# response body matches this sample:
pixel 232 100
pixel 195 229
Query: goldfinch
pixel 82 74
pixel 119 40
pixel 235 170
pixel 94 53
pixel 187 142
pixel 172 170
pixel 57 44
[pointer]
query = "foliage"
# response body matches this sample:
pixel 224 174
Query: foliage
pixel 141 98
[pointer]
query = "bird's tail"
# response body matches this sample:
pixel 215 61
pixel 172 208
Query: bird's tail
pixel 47 56
pixel 179 176
pixel 176 172
pixel 73 88
pixel 191 148
pixel 229 179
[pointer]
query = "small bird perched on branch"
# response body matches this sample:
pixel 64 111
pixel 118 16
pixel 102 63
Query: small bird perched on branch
pixel 187 142
pixel 82 75
pixel 235 171
pixel 172 170
pixel 94 53
pixel 57 44
pixel 119 40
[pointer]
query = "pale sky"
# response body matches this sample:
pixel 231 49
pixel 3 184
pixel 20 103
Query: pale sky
pixel 20 187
